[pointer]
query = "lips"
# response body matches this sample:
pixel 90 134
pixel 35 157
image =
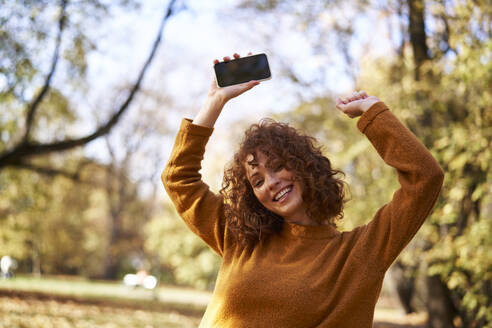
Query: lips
pixel 279 195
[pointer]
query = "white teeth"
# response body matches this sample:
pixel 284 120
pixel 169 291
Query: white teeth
pixel 281 193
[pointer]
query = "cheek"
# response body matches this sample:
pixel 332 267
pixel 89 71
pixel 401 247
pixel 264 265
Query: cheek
pixel 287 175
pixel 300 187
pixel 261 196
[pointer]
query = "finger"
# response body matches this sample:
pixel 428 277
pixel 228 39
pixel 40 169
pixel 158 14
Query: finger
pixel 236 55
pixel 227 58
pixel 248 85
pixel 249 53
pixel 364 94
pixel 353 96
pixel 339 102
pixel 341 108
pixel 216 61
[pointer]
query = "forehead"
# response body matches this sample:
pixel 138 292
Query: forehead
pixel 254 161
pixel 255 157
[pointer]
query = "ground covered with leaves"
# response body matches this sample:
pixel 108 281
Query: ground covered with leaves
pixel 32 312
pixel 36 310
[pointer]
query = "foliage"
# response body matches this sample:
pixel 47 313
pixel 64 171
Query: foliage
pixel 182 254
pixel 90 223
pixel 39 230
pixel 57 225
pixel 456 96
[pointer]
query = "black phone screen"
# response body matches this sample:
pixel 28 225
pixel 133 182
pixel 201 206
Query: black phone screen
pixel 242 70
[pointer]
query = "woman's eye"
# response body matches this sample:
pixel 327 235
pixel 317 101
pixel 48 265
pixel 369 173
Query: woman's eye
pixel 258 183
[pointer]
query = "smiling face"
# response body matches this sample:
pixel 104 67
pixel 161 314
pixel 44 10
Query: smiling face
pixel 276 189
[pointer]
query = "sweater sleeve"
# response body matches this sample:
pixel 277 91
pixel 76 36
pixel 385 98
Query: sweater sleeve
pixel 201 209
pixel 420 177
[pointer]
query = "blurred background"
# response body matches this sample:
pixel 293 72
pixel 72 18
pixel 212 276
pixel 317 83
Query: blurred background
pixel 91 96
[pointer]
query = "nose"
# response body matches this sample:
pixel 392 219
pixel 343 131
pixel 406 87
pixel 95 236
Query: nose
pixel 272 180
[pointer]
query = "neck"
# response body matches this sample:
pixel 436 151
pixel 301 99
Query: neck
pixel 302 219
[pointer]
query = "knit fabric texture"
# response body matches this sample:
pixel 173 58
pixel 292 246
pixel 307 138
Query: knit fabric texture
pixel 307 276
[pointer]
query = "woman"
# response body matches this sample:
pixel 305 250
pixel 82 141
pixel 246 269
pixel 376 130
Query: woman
pixel 284 263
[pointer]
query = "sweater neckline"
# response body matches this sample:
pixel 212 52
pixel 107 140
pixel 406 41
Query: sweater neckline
pixel 312 232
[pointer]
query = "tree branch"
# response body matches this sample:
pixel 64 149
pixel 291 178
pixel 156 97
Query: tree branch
pixel 33 106
pixel 447 34
pixel 51 172
pixel 26 148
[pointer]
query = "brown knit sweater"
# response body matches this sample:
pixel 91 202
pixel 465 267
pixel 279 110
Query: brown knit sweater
pixel 307 276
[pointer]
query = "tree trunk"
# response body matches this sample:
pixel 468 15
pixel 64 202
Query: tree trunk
pixel 416 29
pixel 36 261
pixel 111 261
pixel 438 303
pixel 405 285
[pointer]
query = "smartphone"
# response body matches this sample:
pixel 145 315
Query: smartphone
pixel 243 69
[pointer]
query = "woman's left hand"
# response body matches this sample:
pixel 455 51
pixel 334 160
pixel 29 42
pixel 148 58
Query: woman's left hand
pixel 356 104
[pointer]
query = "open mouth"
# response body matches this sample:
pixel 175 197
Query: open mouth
pixel 282 193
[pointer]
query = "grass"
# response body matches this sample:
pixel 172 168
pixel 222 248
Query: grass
pixel 111 292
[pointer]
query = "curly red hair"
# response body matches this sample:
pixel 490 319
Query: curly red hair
pixel 324 194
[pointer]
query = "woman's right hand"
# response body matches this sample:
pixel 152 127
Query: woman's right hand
pixel 225 94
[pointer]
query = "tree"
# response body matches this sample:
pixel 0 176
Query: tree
pixel 128 210
pixel 22 73
pixel 48 227
pixel 43 225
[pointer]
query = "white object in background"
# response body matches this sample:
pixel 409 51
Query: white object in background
pixel 130 280
pixel 7 264
pixel 150 282
pixel 134 280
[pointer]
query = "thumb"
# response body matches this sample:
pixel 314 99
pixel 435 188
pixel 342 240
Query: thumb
pixel 249 85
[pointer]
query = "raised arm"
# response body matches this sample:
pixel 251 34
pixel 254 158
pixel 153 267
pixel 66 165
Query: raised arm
pixel 201 209
pixel 420 176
